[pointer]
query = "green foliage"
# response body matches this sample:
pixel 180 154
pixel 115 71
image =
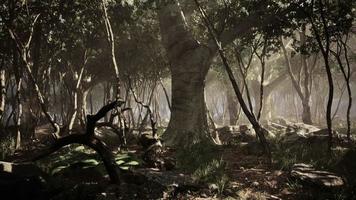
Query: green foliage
pixel 213 173
pixel 160 131
pixel 7 147
pixel 294 185
pixel 80 157
pixel 286 156
pixel 204 161
pixel 125 161
pixel 198 154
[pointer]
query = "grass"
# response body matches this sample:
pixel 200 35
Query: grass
pixel 204 162
pixel 286 156
pixel 80 157
pixel 7 147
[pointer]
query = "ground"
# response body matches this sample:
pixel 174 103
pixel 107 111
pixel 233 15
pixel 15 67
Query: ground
pixel 249 176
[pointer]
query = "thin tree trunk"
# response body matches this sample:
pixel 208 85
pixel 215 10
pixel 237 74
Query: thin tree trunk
pixel 348 85
pixel 325 50
pixel 76 108
pixel 341 45
pixel 306 100
pixel 111 41
pixel 2 91
pixel 260 131
pixel 24 53
pixel 339 101
pixel 19 114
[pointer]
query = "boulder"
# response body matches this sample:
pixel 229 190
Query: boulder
pixel 21 169
pixel 22 181
pixel 241 133
pixel 347 166
pixel 227 134
pixel 303 133
pixel 308 175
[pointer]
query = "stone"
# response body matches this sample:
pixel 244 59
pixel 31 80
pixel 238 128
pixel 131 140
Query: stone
pixel 347 166
pixel 241 133
pixel 309 175
pixel 21 169
pixel 22 181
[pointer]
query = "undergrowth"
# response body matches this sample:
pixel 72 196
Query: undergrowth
pixel 286 156
pixel 79 157
pixel 205 163
pixel 7 147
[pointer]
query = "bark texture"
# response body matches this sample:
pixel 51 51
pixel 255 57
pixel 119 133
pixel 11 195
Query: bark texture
pixel 190 62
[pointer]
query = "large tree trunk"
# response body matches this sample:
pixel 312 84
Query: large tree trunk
pixel 188 116
pixel 190 62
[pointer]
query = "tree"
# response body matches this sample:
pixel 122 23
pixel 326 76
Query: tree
pixel 303 90
pixel 190 59
pixel 328 19
pixel 260 131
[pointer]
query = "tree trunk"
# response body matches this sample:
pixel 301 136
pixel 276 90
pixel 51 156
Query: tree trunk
pixel 189 64
pixel 260 131
pixel 231 105
pixel 2 92
pixel 306 115
pixel 19 114
pixel 188 117
pixel 303 95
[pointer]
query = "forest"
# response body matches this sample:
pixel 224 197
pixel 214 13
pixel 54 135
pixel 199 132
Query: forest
pixel 177 99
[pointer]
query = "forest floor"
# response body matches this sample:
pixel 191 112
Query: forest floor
pixel 253 178
pixel 250 177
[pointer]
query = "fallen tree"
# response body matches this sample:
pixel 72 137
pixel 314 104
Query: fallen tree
pixel 89 139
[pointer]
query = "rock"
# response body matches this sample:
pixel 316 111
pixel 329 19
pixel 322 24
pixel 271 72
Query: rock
pixel 108 136
pixel 146 141
pixel 293 138
pixel 154 153
pixel 305 134
pixel 282 121
pixel 301 127
pixel 308 175
pixel 21 169
pixel 347 166
pixel 21 181
pixel 227 134
pixel 242 133
pixel 253 147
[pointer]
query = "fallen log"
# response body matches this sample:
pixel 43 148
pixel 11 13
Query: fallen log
pixel 89 139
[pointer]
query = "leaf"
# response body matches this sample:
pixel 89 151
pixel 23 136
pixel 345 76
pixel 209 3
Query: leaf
pixel 122 157
pixel 58 169
pixel 120 162
pixel 124 167
pixel 79 148
pixel 133 163
pixel 90 162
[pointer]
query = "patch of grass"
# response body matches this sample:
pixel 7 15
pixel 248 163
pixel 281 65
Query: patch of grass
pixel 7 147
pixel 204 162
pixel 80 157
pixel 294 185
pixel 286 156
